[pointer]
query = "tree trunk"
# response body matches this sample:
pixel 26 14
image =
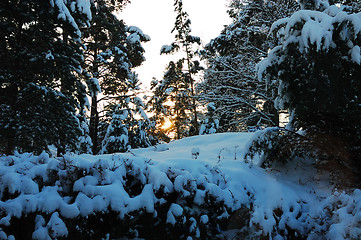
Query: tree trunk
pixel 94 114
pixel 194 106
pixel 94 122
pixel 10 148
pixel 61 146
pixel 60 149
pixel 275 117
pixel 12 93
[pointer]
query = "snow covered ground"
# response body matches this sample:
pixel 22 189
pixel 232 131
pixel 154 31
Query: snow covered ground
pixel 295 201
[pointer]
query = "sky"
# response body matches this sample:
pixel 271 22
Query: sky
pixel 156 19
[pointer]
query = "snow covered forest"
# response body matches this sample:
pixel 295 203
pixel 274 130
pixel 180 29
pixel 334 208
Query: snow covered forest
pixel 255 135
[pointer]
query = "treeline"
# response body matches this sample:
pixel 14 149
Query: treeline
pixel 58 55
pixel 67 78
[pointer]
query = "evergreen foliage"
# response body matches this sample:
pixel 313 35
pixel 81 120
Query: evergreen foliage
pixel 84 142
pixel 40 59
pixel 210 124
pixel 171 100
pixel 111 199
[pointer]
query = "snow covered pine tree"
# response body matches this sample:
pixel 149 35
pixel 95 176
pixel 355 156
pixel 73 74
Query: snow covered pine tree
pixel 210 124
pixel 40 58
pixel 129 125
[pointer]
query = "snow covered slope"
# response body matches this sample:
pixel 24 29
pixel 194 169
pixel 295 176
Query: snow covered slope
pixel 196 187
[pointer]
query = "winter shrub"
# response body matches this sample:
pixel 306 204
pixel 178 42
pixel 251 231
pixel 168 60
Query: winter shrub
pixel 66 198
pixel 275 147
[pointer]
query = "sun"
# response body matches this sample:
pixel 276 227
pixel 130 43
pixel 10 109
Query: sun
pixel 167 124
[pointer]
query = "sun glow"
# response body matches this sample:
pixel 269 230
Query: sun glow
pixel 167 124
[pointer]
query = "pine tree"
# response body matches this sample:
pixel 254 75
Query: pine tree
pixel 113 49
pixel 231 82
pixel 117 136
pixel 160 110
pixel 183 72
pixel 40 60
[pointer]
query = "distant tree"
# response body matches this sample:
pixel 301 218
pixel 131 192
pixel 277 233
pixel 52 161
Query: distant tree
pixel 113 49
pixel 317 65
pixel 183 72
pixel 40 88
pixel 210 124
pixel 230 80
pixel 160 111
pixel 116 138
pixel 129 125
pixel 84 142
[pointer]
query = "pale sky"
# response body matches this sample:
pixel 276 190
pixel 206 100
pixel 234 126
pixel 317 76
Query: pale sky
pixel 156 18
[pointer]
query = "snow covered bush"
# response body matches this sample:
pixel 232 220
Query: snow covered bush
pixel 111 196
pixel 277 145
pixel 317 66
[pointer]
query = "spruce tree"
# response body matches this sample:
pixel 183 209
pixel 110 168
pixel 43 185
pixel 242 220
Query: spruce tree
pixel 84 142
pixel 171 101
pixel 40 60
pixel 116 138
pixel 210 124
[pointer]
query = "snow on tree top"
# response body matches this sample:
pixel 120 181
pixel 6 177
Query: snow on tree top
pixel 167 49
pixel 139 32
pixel 307 28
pixel 317 29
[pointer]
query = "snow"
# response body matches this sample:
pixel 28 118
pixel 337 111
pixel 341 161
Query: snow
pixel 202 129
pixel 49 55
pixel 309 28
pixel 204 219
pixel 64 13
pixel 166 49
pixel 84 7
pixel 139 32
pixel 355 54
pixel 174 211
pixel 317 29
pixel 309 208
pixel 57 226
